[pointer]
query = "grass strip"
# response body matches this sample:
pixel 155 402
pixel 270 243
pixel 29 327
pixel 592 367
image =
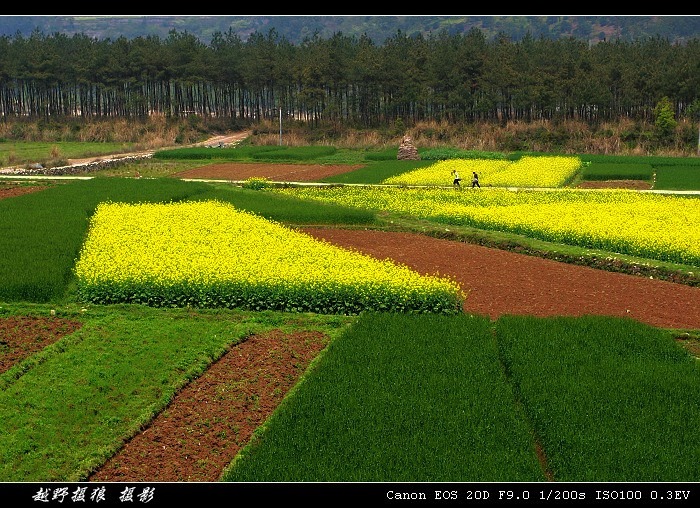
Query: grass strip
pixel 617 171
pixel 398 398
pixel 287 209
pixel 678 177
pixel 611 399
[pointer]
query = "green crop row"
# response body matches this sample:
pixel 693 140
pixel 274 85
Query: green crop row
pixel 617 171
pixel 248 153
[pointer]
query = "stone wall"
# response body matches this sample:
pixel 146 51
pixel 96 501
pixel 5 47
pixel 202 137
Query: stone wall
pixel 74 168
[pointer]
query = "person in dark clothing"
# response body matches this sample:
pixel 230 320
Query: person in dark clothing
pixel 475 180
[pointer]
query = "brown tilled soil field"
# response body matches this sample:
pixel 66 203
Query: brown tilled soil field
pixel 276 172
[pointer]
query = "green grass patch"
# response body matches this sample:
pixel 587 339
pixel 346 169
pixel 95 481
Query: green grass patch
pixel 21 152
pixel 388 154
pixel 440 154
pixel 617 171
pixel 289 210
pixel 270 153
pixel 296 154
pixel 678 177
pixel 397 398
pixel 238 153
pixel 610 399
pixel 654 160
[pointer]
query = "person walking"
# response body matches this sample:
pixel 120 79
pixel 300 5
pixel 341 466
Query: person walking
pixel 456 179
pixel 475 180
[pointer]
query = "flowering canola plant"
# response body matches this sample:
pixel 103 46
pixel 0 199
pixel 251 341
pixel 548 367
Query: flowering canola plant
pixel 528 171
pixel 210 254
pixel 440 173
pixel 654 226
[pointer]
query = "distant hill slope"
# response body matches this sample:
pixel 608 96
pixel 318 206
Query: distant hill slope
pixel 676 28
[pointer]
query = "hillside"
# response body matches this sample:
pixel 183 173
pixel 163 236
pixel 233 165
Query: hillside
pixel 676 28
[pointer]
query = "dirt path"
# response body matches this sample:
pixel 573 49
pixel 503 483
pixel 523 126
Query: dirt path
pixel 225 139
pixel 221 140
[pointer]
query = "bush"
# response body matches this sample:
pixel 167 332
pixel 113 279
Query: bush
pixel 256 183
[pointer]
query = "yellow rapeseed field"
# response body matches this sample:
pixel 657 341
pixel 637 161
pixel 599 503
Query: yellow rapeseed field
pixel 662 227
pixel 212 254
pixel 528 171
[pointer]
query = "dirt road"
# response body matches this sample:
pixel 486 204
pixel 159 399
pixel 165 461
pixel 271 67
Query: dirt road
pixel 215 141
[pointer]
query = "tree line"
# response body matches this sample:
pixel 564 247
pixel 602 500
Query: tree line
pixel 347 79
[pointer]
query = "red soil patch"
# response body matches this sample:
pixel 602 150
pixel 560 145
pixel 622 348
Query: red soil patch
pixel 212 418
pixel 499 282
pixel 22 336
pixel 10 191
pixel 276 172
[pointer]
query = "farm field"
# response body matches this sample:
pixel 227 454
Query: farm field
pixel 176 444
pixel 182 444
pixel 276 172
pixel 502 283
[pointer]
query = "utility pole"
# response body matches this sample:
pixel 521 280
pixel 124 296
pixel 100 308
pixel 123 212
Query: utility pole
pixel 281 126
